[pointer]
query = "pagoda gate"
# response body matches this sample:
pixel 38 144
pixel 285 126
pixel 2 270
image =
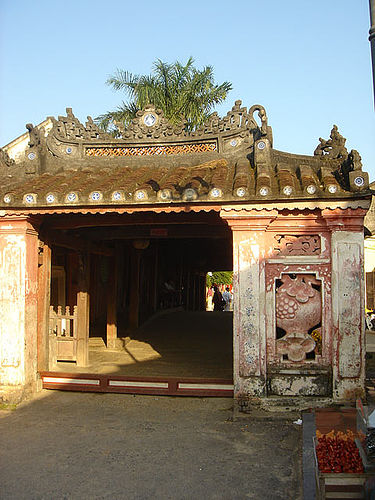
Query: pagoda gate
pixel 91 224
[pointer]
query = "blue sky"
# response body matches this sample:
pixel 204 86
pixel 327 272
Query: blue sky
pixel 307 62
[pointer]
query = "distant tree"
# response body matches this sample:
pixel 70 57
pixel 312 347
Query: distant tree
pixel 181 91
pixel 219 278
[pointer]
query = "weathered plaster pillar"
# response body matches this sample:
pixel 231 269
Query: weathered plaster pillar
pixel 348 300
pixel 249 322
pixel 18 306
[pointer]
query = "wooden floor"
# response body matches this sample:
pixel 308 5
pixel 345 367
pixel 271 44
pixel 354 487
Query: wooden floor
pixel 176 344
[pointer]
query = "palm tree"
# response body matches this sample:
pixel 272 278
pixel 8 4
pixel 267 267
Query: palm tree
pixel 182 92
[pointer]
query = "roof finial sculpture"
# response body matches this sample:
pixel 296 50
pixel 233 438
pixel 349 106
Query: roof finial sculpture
pixel 5 160
pixel 264 130
pixel 34 133
pixel 333 147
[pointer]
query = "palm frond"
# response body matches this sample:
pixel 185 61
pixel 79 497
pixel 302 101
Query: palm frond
pixel 181 91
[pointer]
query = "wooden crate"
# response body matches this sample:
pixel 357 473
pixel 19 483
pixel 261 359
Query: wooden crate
pixel 339 485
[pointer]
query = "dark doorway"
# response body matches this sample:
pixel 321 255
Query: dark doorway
pixel 151 275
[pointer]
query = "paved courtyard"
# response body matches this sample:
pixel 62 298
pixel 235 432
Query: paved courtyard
pixel 65 445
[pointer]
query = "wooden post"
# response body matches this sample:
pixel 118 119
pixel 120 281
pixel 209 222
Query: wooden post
pixel 134 289
pixel 188 289
pixel 112 303
pixel 44 293
pixel 83 310
pixel 71 278
pixel 155 303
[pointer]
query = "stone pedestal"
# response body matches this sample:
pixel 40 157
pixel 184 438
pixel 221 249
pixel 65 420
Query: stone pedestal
pixel 18 306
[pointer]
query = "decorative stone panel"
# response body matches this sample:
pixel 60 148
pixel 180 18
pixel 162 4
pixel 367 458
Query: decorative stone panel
pixel 160 150
pixel 297 245
pixel 298 310
pixel 315 384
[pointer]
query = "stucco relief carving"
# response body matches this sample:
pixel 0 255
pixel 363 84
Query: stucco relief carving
pixel 264 130
pixel 297 245
pixel 35 136
pixel 150 124
pixel 70 128
pixel 298 309
pixel 5 160
pixel 334 147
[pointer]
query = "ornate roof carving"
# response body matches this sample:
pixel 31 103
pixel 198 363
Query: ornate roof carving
pixel 5 161
pixel 228 160
pixel 69 128
pixel 334 147
pixel 150 124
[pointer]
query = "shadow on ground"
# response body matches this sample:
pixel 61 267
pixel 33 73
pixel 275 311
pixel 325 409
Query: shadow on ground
pixel 174 344
pixel 65 445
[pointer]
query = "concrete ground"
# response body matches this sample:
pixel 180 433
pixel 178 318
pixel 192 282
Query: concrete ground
pixel 64 445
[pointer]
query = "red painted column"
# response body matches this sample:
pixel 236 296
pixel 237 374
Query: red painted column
pixel 18 306
pixel 249 294
pixel 348 297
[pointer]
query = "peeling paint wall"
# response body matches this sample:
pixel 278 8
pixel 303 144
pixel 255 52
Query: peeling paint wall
pixel 249 327
pixel 249 306
pixel 18 307
pixel 12 310
pixel 326 247
pixel 348 314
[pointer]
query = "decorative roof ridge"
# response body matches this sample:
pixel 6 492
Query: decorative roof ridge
pixel 300 205
pixel 43 126
pixel 299 156
pixel 181 208
pixel 198 207
pixel 151 125
pixel 89 158
pixel 333 158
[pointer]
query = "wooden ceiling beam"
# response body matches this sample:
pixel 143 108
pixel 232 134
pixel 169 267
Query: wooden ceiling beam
pixel 81 221
pixel 158 232
pixel 77 244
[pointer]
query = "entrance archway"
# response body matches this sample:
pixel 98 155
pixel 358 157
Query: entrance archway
pixel 146 293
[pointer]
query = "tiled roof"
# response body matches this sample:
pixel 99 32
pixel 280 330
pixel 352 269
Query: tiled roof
pixel 228 161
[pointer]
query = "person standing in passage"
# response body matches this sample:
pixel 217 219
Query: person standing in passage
pixel 218 300
pixel 209 304
pixel 227 296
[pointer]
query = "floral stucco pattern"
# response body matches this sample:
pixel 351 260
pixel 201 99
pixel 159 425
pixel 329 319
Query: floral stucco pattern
pixel 298 309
